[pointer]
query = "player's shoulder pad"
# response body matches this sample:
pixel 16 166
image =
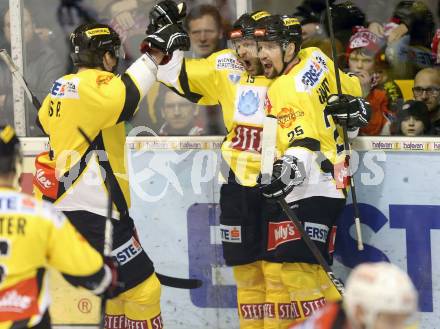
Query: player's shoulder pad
pixel 226 60
pixel 311 69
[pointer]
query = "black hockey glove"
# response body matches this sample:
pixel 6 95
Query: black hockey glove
pixel 164 13
pixel 349 111
pixel 167 39
pixel 287 173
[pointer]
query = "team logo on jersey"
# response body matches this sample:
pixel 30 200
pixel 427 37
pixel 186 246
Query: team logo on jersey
pixel 248 103
pixel 287 116
pixel 312 73
pixel 65 88
pixel 103 79
pixel 281 232
pixel 234 78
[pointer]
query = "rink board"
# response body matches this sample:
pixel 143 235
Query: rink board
pixel 175 194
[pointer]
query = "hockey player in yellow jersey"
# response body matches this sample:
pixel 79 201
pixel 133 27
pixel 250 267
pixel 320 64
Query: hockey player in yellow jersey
pixel 34 236
pixel 233 78
pixel 72 175
pixel 310 156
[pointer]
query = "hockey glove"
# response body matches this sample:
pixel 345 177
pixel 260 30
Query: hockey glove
pixel 287 173
pixel 164 13
pixel 113 288
pixel 167 39
pixel 352 112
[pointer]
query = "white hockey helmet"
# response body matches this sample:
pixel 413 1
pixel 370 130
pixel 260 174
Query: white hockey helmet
pixel 379 288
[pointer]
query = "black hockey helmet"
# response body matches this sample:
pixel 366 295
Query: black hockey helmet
pixel 91 41
pixel 282 28
pixel 309 11
pixel 245 25
pixel 345 16
pixel 10 151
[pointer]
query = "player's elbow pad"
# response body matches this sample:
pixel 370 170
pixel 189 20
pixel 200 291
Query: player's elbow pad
pixel 97 283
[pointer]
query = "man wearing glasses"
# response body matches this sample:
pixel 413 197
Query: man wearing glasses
pixel 427 89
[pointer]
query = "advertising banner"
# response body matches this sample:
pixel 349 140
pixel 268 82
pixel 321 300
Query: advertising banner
pixel 175 194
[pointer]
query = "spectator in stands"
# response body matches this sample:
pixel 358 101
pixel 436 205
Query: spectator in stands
pixel 409 34
pixel 42 67
pixel 180 115
pixel 128 18
pixel 365 54
pixel 72 13
pixel 309 14
pixel 206 30
pixel 427 89
pixel 204 26
pixel 413 119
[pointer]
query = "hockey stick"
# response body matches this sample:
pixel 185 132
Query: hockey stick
pixel 108 233
pixel 269 148
pixel 18 77
pixel 357 221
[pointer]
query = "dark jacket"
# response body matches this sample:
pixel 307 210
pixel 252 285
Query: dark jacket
pixel 42 67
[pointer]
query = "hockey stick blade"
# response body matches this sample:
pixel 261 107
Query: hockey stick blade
pixel 357 222
pixel 179 282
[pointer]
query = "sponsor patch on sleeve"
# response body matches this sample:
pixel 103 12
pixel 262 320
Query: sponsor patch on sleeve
pixel 230 233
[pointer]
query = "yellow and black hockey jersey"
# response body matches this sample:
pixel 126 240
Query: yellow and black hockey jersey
pixel 33 236
pixel 98 102
pixel 298 100
pixel 221 79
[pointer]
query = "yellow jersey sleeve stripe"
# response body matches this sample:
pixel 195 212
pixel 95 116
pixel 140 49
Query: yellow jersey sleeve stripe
pixel 132 98
pixel 184 84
